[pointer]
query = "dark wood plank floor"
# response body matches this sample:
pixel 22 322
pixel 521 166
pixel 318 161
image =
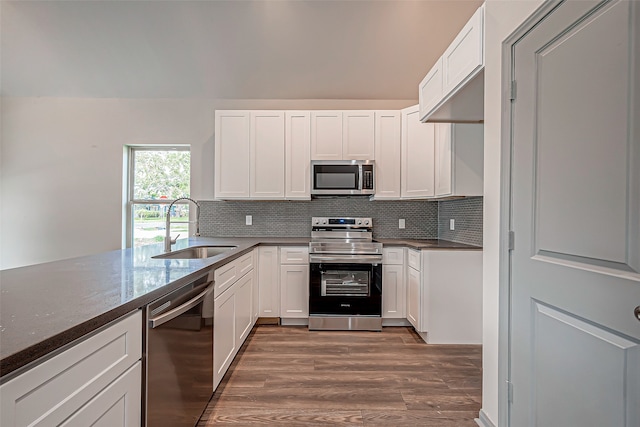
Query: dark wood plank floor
pixel 288 376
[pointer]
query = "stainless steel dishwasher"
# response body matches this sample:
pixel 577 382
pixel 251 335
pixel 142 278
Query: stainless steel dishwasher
pixel 179 374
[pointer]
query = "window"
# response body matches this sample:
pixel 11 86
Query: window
pixel 157 176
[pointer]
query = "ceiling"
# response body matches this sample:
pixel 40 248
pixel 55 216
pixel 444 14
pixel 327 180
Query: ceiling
pixel 264 49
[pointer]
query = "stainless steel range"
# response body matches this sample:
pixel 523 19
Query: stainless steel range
pixel 345 289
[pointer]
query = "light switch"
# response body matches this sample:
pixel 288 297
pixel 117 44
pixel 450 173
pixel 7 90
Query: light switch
pixel 452 224
pixel 401 223
pixel 248 220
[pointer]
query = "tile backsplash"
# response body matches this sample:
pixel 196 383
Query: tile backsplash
pixel 467 215
pixel 293 219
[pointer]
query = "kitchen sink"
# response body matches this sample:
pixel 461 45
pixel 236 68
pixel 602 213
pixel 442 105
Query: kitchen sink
pixel 196 252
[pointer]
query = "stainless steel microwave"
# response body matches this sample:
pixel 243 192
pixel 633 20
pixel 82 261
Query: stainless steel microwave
pixel 342 177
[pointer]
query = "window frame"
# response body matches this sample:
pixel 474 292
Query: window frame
pixel 130 201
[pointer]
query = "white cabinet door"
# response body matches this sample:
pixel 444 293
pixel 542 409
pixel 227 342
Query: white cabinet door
pixel 232 154
pixel 358 135
pixel 443 159
pixel 255 304
pixel 266 155
pixel 393 292
pixel 465 55
pixel 387 154
pixel 269 276
pixel 297 155
pixel 244 310
pixel 294 291
pixel 224 334
pixel 417 156
pixel 430 89
pixel 118 405
pixel 413 297
pixel 326 135
pixel 459 165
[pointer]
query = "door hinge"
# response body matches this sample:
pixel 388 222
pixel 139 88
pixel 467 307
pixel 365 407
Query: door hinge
pixel 514 90
pixel 512 240
pixel 510 391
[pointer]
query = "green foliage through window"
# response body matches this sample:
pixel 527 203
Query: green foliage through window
pixel 161 174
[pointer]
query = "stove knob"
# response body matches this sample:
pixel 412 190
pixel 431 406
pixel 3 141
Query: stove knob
pixel 359 222
pixel 316 221
pixel 366 222
pixel 324 222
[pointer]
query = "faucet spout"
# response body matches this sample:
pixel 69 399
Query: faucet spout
pixel 168 241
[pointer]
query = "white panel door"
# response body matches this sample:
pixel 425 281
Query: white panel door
pixel 358 135
pixel 575 269
pixel 417 156
pixel 269 277
pixel 294 291
pixel 232 154
pixel 224 334
pixel 326 135
pixel 267 155
pixel 297 140
pixel 387 147
pixel 443 159
pixel 244 310
pixel 413 297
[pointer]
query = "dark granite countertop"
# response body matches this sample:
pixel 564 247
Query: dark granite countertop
pixel 46 306
pixel 428 244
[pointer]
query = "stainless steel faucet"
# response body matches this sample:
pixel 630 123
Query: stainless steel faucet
pixel 168 241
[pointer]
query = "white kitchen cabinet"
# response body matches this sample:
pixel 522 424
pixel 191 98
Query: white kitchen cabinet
pixel 358 135
pixel 294 282
pixel 267 154
pixel 459 164
pixel 94 377
pixel 269 277
pixel 394 292
pixel 233 312
pixel 414 295
pixel 297 155
pixel 255 305
pixel 326 135
pixel 417 172
pixel 387 154
pixel 451 90
pixel 232 158
pixel 453 310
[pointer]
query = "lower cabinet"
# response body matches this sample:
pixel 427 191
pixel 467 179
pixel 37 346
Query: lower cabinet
pixel 413 298
pixel 95 382
pixel 394 292
pixel 294 282
pixel 234 315
pixel 269 278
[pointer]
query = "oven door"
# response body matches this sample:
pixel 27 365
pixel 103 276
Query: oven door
pixel 345 289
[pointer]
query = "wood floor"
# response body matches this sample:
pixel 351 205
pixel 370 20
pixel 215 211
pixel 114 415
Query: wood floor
pixel 288 376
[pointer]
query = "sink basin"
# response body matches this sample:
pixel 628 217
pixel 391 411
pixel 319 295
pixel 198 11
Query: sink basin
pixel 195 252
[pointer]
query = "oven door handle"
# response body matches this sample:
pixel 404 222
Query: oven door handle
pixel 172 314
pixel 353 259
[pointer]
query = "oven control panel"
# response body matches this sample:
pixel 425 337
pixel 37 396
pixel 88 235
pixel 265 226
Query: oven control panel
pixel 341 222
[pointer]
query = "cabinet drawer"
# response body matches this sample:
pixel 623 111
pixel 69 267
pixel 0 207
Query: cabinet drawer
pixel 393 256
pixel 54 390
pixel 228 274
pixel 413 259
pixel 294 255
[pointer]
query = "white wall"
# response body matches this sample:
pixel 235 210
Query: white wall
pixel 61 164
pixel 501 19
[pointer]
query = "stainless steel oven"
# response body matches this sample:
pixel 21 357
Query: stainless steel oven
pixel 345 282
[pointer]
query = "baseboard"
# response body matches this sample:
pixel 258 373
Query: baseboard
pixel 268 321
pixel 395 322
pixel 483 420
pixel 294 321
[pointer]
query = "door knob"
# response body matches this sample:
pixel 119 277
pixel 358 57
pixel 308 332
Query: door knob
pixel 636 312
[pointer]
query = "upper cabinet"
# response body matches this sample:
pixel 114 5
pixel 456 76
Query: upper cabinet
pixel 459 160
pixel 267 155
pixel 453 90
pixel 342 135
pixel 297 141
pixel 417 177
pixel 232 154
pixel 387 151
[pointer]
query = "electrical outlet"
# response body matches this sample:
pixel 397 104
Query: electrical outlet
pixel 452 224
pixel 401 223
pixel 248 220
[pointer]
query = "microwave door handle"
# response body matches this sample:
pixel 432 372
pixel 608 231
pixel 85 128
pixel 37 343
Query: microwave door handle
pixel 360 173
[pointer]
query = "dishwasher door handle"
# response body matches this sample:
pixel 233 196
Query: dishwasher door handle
pixel 172 314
